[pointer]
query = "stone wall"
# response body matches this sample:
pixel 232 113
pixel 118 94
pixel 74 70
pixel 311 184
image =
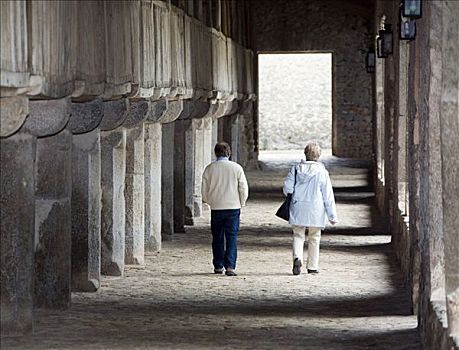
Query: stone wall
pixel 342 27
pixel 419 85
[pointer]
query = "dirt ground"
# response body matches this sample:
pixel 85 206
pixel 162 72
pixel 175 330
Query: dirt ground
pixel 357 301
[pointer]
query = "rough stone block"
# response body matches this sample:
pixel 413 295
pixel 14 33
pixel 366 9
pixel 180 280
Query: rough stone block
pixel 17 225
pixel 53 221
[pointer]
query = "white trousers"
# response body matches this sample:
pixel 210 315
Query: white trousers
pixel 313 245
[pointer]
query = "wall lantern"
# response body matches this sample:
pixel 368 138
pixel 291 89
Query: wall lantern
pixel 412 8
pixel 385 41
pixel 370 61
pixel 407 28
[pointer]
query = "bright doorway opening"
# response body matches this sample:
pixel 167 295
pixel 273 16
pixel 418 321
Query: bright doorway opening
pixel 295 100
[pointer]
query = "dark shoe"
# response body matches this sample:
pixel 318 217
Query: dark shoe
pixel 313 271
pixel 230 273
pixel 219 271
pixel 297 266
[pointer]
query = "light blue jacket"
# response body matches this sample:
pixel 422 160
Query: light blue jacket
pixel 313 200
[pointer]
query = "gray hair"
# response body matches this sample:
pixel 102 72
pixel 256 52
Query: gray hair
pixel 312 151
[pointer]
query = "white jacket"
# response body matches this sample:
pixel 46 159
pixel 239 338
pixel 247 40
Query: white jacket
pixel 224 185
pixel 313 198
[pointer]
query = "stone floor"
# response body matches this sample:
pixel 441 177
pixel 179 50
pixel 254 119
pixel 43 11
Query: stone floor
pixel 175 302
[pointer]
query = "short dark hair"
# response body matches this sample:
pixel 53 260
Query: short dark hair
pixel 222 149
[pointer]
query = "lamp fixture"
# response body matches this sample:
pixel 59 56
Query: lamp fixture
pixel 385 41
pixel 412 8
pixel 407 28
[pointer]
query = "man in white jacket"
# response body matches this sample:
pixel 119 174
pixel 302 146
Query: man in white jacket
pixel 225 189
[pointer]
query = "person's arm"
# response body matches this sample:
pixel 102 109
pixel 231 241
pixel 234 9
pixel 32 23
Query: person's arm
pixel 243 188
pixel 205 186
pixel 329 199
pixel 289 182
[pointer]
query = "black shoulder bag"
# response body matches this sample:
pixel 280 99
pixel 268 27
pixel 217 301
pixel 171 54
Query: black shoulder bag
pixel 284 211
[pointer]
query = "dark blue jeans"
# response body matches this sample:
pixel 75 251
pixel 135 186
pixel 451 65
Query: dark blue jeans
pixel 225 225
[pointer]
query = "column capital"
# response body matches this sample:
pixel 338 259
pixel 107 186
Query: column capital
pixel 114 114
pixel 157 110
pixel 137 113
pixel 86 116
pixel 172 112
pixel 14 112
pixel 47 117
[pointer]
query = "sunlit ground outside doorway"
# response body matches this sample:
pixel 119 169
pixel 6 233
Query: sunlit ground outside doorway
pixel 295 102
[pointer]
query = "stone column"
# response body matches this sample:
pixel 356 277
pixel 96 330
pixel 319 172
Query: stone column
pixel 135 182
pixel 153 139
pixel 208 145
pixel 198 126
pixel 17 219
pixel 167 181
pixel 86 212
pixel 113 171
pixel 235 135
pixel 53 189
pixel 189 162
pixel 179 175
pixel 193 158
pixel 86 195
pixel 208 150
pixel 450 147
pixel 215 137
pixel 172 112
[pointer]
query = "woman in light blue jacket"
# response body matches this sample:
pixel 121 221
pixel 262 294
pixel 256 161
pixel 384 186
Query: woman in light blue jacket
pixel 312 203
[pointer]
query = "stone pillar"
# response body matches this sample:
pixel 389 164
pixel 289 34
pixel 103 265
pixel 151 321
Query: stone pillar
pixel 450 147
pixel 208 145
pixel 179 175
pixel 86 212
pixel 189 162
pixel 53 184
pixel 134 196
pixel 198 167
pixel 153 140
pixel 167 180
pixel 53 188
pixel 86 195
pixel 235 134
pixel 113 170
pixel 173 111
pixel 191 117
pixel 215 137
pixel 17 221
pixel 135 182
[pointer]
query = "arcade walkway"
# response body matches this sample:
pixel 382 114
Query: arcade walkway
pixel 175 302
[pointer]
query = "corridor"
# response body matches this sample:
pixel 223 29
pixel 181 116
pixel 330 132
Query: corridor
pixel 175 302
